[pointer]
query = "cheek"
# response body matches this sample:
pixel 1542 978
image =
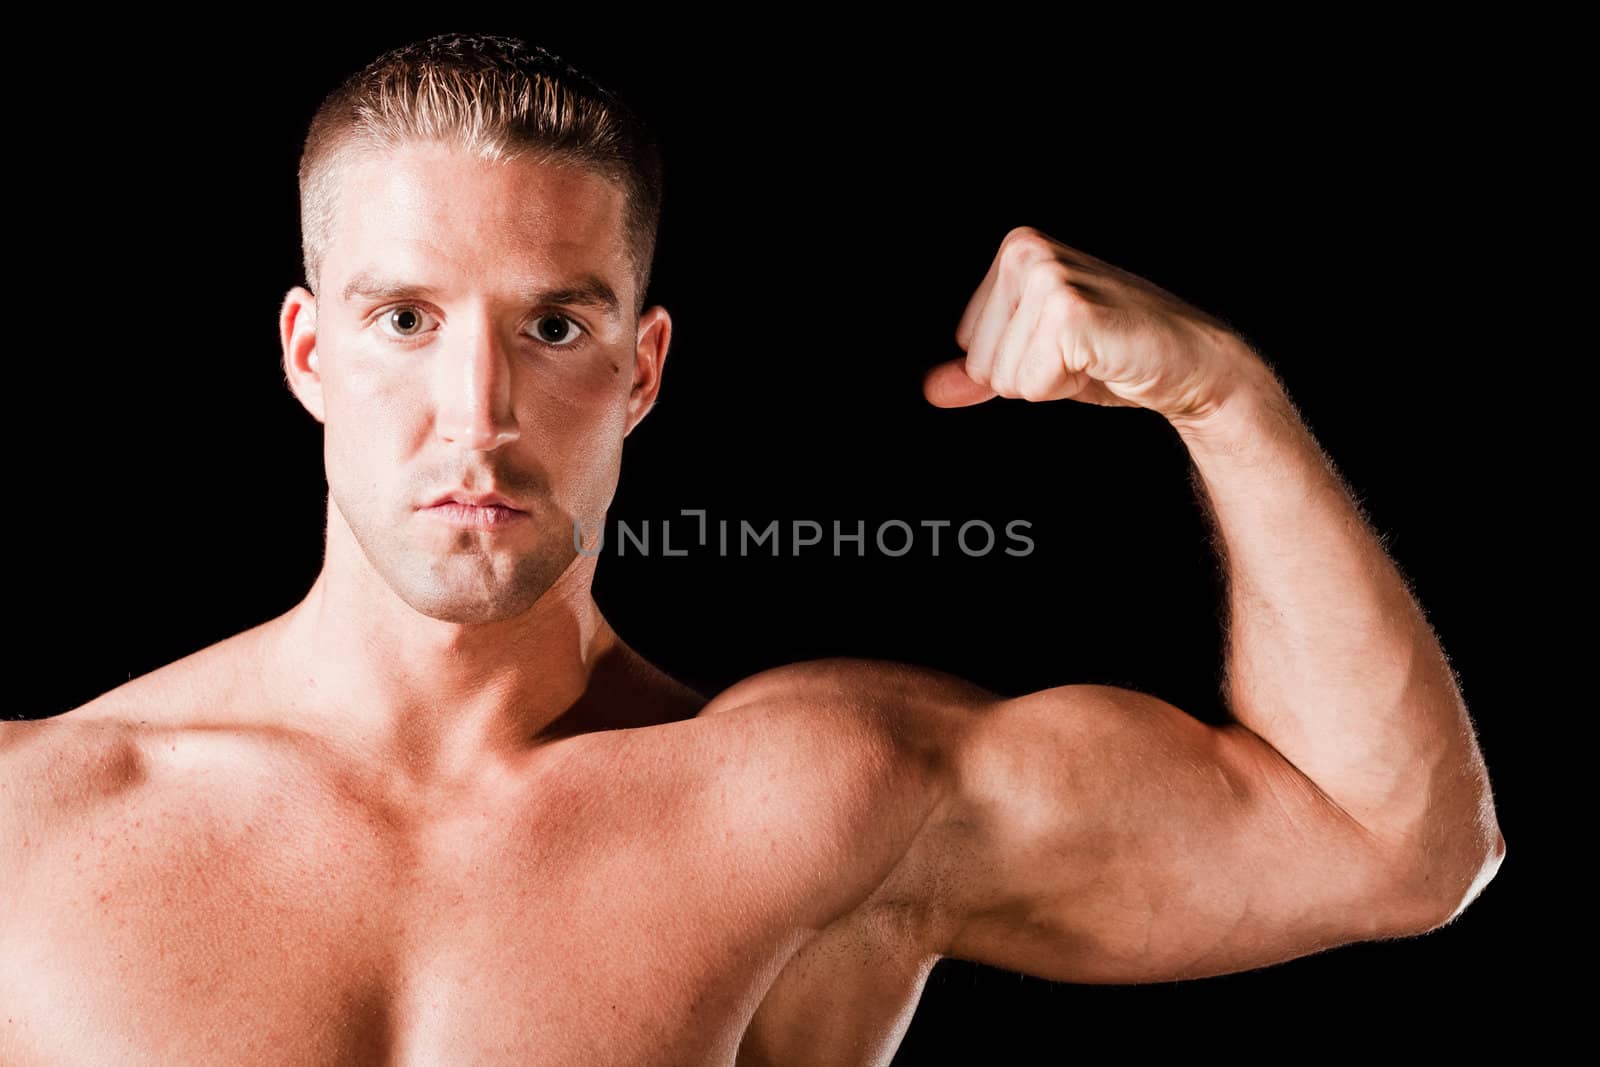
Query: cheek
pixel 369 391
pixel 583 408
pixel 573 416
pixel 577 435
pixel 368 415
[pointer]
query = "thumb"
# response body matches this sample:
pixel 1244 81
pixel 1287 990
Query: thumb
pixel 947 386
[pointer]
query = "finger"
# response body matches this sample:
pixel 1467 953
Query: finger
pixel 1068 343
pixel 980 297
pixel 992 320
pixel 1081 261
pixel 1016 346
pixel 948 386
pixel 1064 326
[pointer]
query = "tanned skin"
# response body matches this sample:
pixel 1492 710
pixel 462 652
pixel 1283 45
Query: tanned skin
pixel 439 812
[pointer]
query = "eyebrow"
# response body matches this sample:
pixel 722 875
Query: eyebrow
pixel 588 290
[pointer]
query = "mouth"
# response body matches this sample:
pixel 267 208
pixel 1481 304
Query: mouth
pixel 478 511
pixel 479 500
pixel 476 517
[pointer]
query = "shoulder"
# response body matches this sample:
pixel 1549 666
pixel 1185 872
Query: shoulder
pixel 36 744
pixel 917 724
pixel 104 746
pixel 53 767
pixel 904 702
pixel 854 754
pixel 900 726
pixel 868 685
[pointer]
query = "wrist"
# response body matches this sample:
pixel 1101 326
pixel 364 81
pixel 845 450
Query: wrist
pixel 1247 389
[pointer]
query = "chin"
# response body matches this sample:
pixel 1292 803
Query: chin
pixel 470 596
pixel 476 607
pixel 468 614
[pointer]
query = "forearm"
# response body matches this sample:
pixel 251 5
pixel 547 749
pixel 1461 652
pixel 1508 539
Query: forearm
pixel 1329 658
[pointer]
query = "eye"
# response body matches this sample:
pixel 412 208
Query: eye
pixel 406 321
pixel 559 336
pixel 554 330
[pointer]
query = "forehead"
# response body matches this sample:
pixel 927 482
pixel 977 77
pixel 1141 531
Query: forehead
pixel 434 209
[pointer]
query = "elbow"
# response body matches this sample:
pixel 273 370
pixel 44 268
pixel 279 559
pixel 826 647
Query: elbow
pixel 1467 876
pixel 1454 846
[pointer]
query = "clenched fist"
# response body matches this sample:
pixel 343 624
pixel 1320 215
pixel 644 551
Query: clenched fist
pixel 1050 322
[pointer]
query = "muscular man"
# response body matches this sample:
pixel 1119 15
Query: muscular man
pixel 439 813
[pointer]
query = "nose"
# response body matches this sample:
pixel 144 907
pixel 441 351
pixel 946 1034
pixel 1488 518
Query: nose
pixel 474 391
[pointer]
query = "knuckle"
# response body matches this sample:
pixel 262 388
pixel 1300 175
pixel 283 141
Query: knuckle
pixel 1022 245
pixel 1050 276
pixel 1066 303
pixel 1034 389
pixel 1080 298
pixel 1021 233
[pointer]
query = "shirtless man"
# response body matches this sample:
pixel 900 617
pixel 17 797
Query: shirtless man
pixel 439 813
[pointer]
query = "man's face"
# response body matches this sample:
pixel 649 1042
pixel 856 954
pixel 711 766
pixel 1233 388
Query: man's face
pixel 473 335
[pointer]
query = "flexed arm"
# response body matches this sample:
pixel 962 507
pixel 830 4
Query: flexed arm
pixel 1329 656
pixel 1097 834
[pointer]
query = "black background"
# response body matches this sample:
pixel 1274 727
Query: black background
pixel 1354 207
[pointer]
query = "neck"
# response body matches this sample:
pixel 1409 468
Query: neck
pixel 436 703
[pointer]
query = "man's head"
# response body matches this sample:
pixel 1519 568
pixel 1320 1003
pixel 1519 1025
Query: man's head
pixel 478 221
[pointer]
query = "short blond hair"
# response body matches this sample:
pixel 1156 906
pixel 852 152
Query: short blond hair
pixel 497 97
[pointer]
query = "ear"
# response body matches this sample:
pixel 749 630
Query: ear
pixel 297 330
pixel 650 356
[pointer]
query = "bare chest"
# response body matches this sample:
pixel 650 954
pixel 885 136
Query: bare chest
pixel 250 916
